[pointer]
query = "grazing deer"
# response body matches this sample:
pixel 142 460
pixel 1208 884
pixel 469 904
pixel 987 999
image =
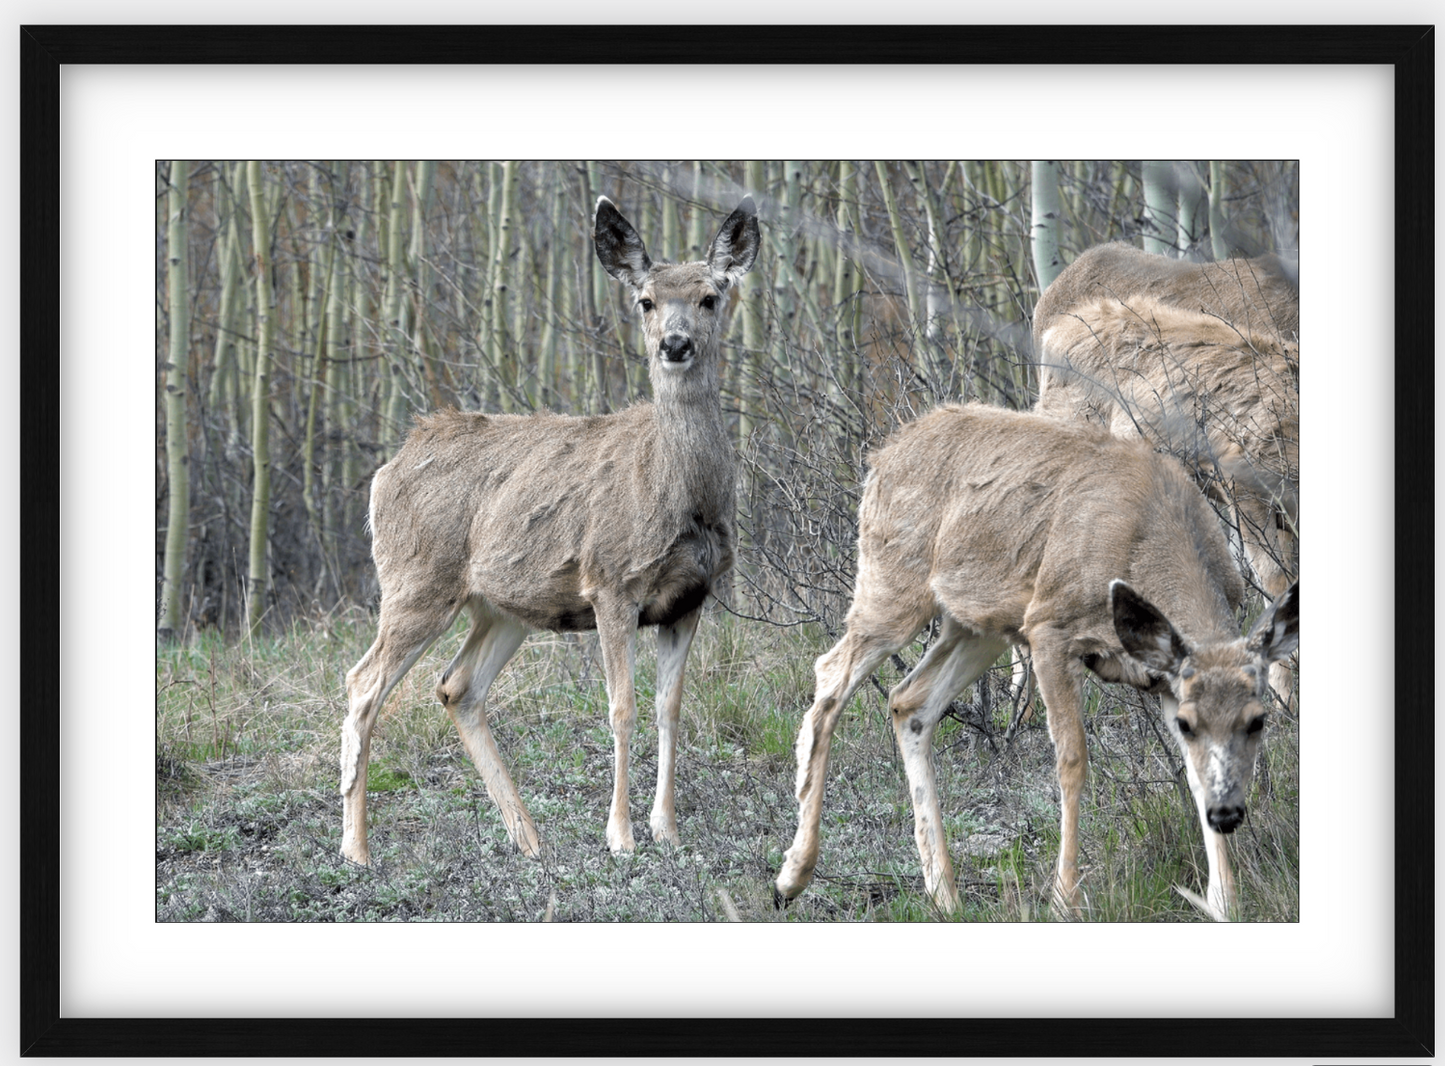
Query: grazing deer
pixel 1200 358
pixel 1096 552
pixel 546 521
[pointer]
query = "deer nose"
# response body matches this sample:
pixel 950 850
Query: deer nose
pixel 1225 819
pixel 676 347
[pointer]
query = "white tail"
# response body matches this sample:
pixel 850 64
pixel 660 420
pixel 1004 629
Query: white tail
pixel 1019 528
pixel 1199 358
pixel 565 523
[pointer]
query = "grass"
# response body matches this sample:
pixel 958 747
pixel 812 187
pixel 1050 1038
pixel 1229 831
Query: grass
pixel 248 818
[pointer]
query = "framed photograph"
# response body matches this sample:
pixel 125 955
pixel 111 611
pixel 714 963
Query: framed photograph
pixel 1351 109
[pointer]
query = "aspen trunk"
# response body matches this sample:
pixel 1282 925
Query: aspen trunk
pixel 224 392
pixel 1190 193
pixel 1218 239
pixel 556 251
pixel 395 425
pixel 260 406
pixel 1159 200
pixel 900 244
pixel 326 260
pixel 1046 219
pixel 420 284
pixel 178 473
pixel 848 283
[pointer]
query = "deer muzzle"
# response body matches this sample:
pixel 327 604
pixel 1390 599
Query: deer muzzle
pixel 1225 819
pixel 676 348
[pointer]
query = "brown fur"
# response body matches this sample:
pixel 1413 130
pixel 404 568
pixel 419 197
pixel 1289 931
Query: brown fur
pixel 567 523
pixel 1258 295
pixel 1019 528
pixel 1202 359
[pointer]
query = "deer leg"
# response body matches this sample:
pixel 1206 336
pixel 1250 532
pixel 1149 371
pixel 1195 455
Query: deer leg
pixel 1060 684
pixel 491 641
pixel 403 636
pixel 839 673
pixel 617 633
pixel 918 703
pixel 673 643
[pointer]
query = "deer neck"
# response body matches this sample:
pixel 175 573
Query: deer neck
pixel 1196 602
pixel 694 452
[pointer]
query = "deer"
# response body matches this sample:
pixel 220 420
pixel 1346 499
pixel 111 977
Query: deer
pixel 608 522
pixel 1199 358
pixel 1096 553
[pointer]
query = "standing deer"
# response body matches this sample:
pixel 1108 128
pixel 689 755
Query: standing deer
pixel 1096 552
pixel 1201 359
pixel 545 521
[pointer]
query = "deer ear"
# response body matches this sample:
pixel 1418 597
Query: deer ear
pixel 1276 635
pixel 735 248
pixel 619 248
pixel 1144 631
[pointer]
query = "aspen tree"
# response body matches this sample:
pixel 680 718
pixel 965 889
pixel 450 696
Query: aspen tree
pixel 669 211
pixel 787 244
pixel 361 317
pixel 223 361
pixel 326 261
pixel 420 282
pixel 1047 217
pixel 178 475
pixel 848 278
pixel 1218 240
pixel 395 323
pixel 333 409
pixel 1159 206
pixel 900 245
pixel 696 221
pixel 260 406
pixel 1190 193
pixel 556 266
pixel 938 300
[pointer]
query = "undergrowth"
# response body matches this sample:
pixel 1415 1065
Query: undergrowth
pixel 248 817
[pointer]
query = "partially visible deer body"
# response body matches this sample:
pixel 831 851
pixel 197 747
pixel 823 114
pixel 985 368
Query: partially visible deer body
pixel 546 521
pixel 1096 552
pixel 1200 358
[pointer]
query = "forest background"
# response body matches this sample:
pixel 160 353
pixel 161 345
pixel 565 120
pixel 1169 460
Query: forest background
pixel 342 298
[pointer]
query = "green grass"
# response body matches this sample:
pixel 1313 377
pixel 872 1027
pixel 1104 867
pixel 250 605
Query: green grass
pixel 248 819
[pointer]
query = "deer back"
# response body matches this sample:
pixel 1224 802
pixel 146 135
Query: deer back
pixel 1162 371
pixel 1012 520
pixel 1260 295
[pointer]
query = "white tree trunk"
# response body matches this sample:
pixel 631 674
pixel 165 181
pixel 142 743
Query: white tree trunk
pixel 260 401
pixel 1046 218
pixel 178 472
pixel 1217 239
pixel 1159 198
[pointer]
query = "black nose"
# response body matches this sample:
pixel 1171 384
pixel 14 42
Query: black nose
pixel 676 347
pixel 1225 819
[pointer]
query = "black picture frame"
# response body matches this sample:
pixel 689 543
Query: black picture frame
pixel 1409 50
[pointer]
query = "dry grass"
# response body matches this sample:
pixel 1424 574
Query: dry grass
pixel 248 815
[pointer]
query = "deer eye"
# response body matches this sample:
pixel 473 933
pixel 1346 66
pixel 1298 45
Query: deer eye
pixel 709 301
pixel 1255 724
pixel 1184 727
pixel 646 305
